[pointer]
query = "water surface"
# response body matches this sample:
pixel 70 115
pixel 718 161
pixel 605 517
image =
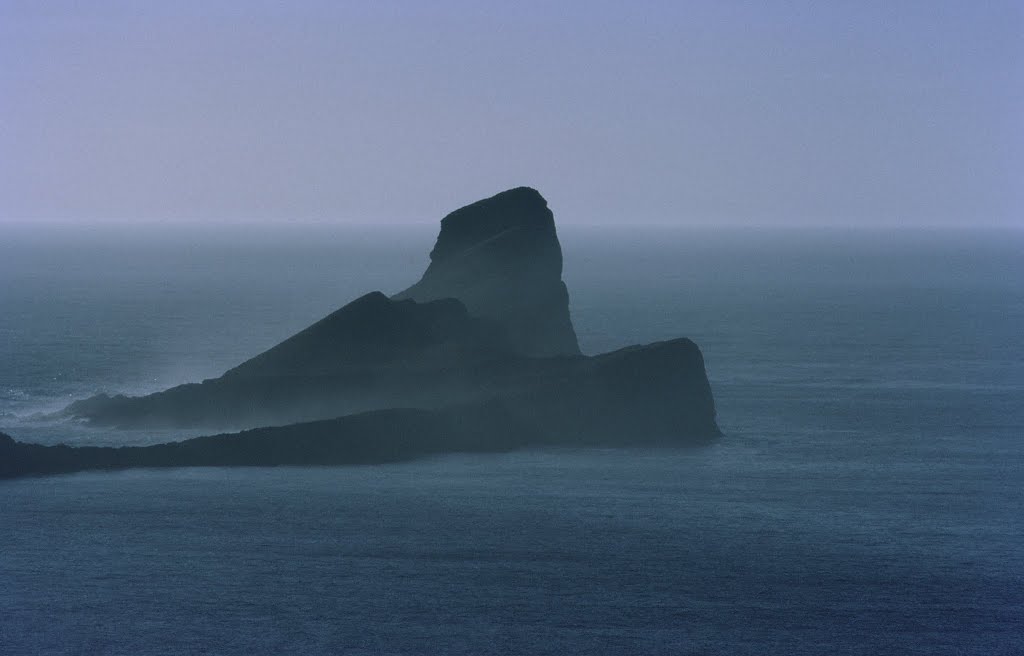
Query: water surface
pixel 866 499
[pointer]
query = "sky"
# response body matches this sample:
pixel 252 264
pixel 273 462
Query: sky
pixel 703 112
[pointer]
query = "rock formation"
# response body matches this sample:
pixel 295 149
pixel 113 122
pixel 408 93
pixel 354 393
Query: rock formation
pixel 479 355
pixel 373 353
pixel 655 395
pixel 500 256
pixel 374 331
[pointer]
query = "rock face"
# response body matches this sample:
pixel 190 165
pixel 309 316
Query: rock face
pixel 374 332
pixel 377 353
pixel 372 353
pixel 654 395
pixel 480 355
pixel 367 438
pixel 500 256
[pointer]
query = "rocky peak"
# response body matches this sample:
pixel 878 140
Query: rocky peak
pixel 374 330
pixel 501 257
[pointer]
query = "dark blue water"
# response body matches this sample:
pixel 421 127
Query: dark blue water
pixel 867 498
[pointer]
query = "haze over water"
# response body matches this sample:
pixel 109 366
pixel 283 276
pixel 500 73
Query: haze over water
pixel 866 498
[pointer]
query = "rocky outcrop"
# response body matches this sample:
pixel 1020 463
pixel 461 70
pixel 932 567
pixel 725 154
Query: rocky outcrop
pixel 377 353
pixel 373 353
pixel 501 257
pixel 376 332
pixel 479 355
pixel 366 438
pixel 655 395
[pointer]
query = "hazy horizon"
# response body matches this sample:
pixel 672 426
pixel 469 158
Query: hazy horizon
pixel 697 113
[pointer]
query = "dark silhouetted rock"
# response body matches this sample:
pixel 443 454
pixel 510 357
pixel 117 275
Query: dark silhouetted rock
pixel 501 258
pixel 373 353
pixel 374 331
pixel 655 395
pixel 479 355
pixel 367 438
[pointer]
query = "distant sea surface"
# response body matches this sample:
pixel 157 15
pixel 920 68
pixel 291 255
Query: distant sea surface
pixel 867 497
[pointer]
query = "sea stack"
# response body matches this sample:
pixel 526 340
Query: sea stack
pixel 500 256
pixel 478 356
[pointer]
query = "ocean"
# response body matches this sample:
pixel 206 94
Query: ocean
pixel 867 496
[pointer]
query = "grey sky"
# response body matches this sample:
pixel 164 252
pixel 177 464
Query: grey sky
pixel 739 113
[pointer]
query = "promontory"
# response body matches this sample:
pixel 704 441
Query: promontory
pixel 479 355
